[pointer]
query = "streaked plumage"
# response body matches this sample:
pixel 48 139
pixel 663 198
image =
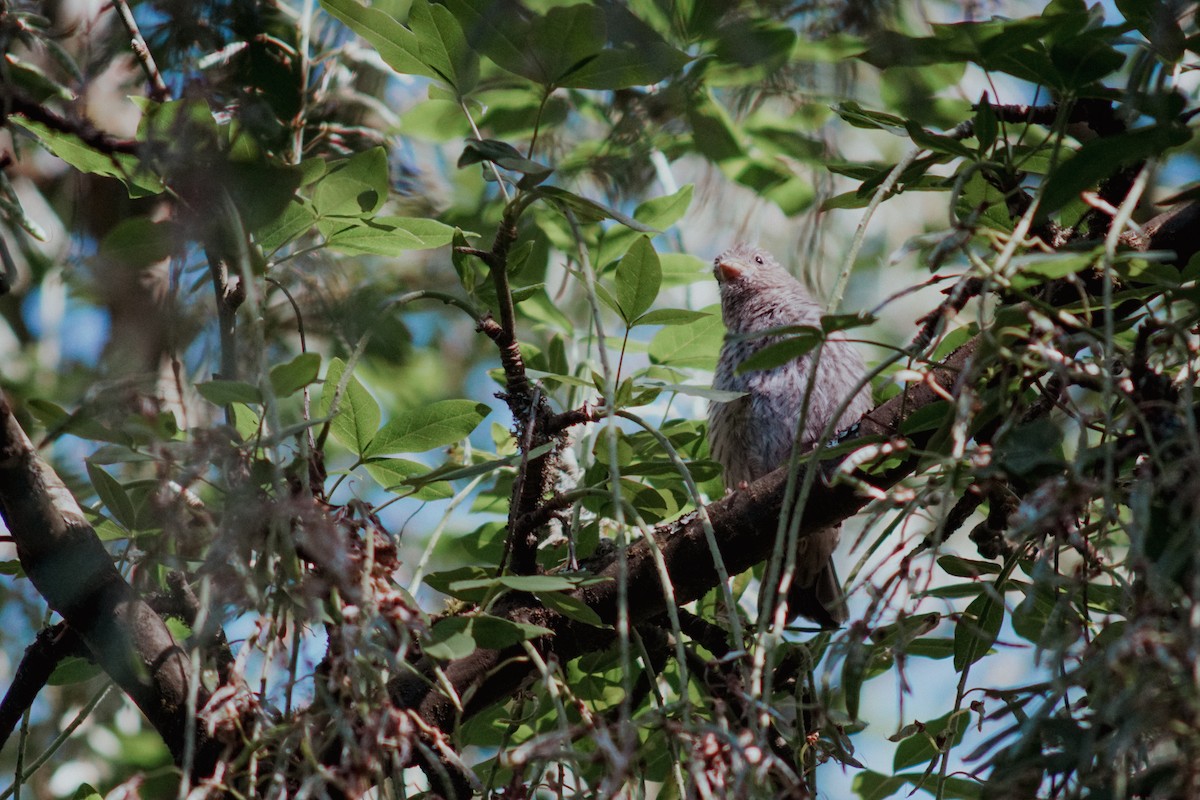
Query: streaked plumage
pixel 753 435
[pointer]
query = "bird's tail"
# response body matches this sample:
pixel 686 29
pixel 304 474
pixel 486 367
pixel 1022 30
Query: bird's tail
pixel 816 592
pixel 821 601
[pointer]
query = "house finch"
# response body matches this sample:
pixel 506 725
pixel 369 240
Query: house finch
pixel 754 434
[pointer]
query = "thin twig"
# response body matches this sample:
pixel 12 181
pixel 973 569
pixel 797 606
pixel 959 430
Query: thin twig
pixel 158 88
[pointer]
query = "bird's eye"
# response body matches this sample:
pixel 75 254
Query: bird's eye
pixel 758 260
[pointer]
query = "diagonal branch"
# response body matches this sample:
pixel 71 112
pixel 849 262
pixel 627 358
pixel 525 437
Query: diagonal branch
pixel 744 523
pixel 68 565
pixel 51 646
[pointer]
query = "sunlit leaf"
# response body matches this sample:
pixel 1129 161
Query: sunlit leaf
pixel 391 236
pixel 358 416
pixel 396 44
pixel 435 425
pixel 289 378
pixel 443 47
pixel 224 393
pixel 125 167
pixel 356 187
pixel 638 278
pixel 695 344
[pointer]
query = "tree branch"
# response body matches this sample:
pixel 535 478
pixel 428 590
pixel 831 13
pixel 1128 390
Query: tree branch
pixel 528 405
pixel 68 565
pixel 51 646
pixel 13 101
pixel 744 523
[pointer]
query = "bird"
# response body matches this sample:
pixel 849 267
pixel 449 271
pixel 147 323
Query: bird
pixel 753 435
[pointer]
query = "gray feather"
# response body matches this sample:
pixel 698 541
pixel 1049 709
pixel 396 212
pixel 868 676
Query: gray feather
pixel 753 435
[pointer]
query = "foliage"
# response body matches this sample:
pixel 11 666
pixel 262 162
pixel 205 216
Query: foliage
pixel 424 482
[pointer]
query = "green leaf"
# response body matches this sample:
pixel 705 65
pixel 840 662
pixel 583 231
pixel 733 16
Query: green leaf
pixel 289 378
pixel 588 210
pixel 779 353
pixel 492 29
pixel 967 568
pixel 455 473
pixel 1158 22
pixel 1083 59
pixel 936 142
pixel 355 188
pixel 977 630
pixel 930 647
pixel 179 629
pixel 445 580
pixel 752 47
pixel 449 639
pixel 869 785
pixel 846 200
pixel 397 45
pixel 565 38
pixel 542 49
pixel 695 344
pixel 715 135
pixel 245 420
pixel 39 86
pixel 663 212
pixel 504 155
pixel 680 269
pixel 73 669
pixel 125 167
pixel 854 672
pixel 626 66
pixel 497 633
pixel 295 220
pixel 1028 449
pixel 845 322
pixel 138 242
pixel 443 47
pixel 637 279
pixel 860 117
pixel 261 189
pixel 571 607
pixel 112 494
pixel 920 748
pixel 225 393
pixel 1098 158
pixel 670 316
pixel 394 474
pixel 986 126
pixel 431 426
pixel 358 415
pixel 391 236
pixel 520 583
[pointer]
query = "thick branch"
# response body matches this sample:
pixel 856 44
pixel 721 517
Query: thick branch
pixel 68 565
pixel 744 523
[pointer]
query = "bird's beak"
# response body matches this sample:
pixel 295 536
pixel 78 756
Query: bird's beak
pixel 727 269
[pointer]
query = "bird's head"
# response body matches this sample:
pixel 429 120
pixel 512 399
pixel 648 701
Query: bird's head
pixel 743 264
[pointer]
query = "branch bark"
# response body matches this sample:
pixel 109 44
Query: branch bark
pixel 744 524
pixel 68 565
